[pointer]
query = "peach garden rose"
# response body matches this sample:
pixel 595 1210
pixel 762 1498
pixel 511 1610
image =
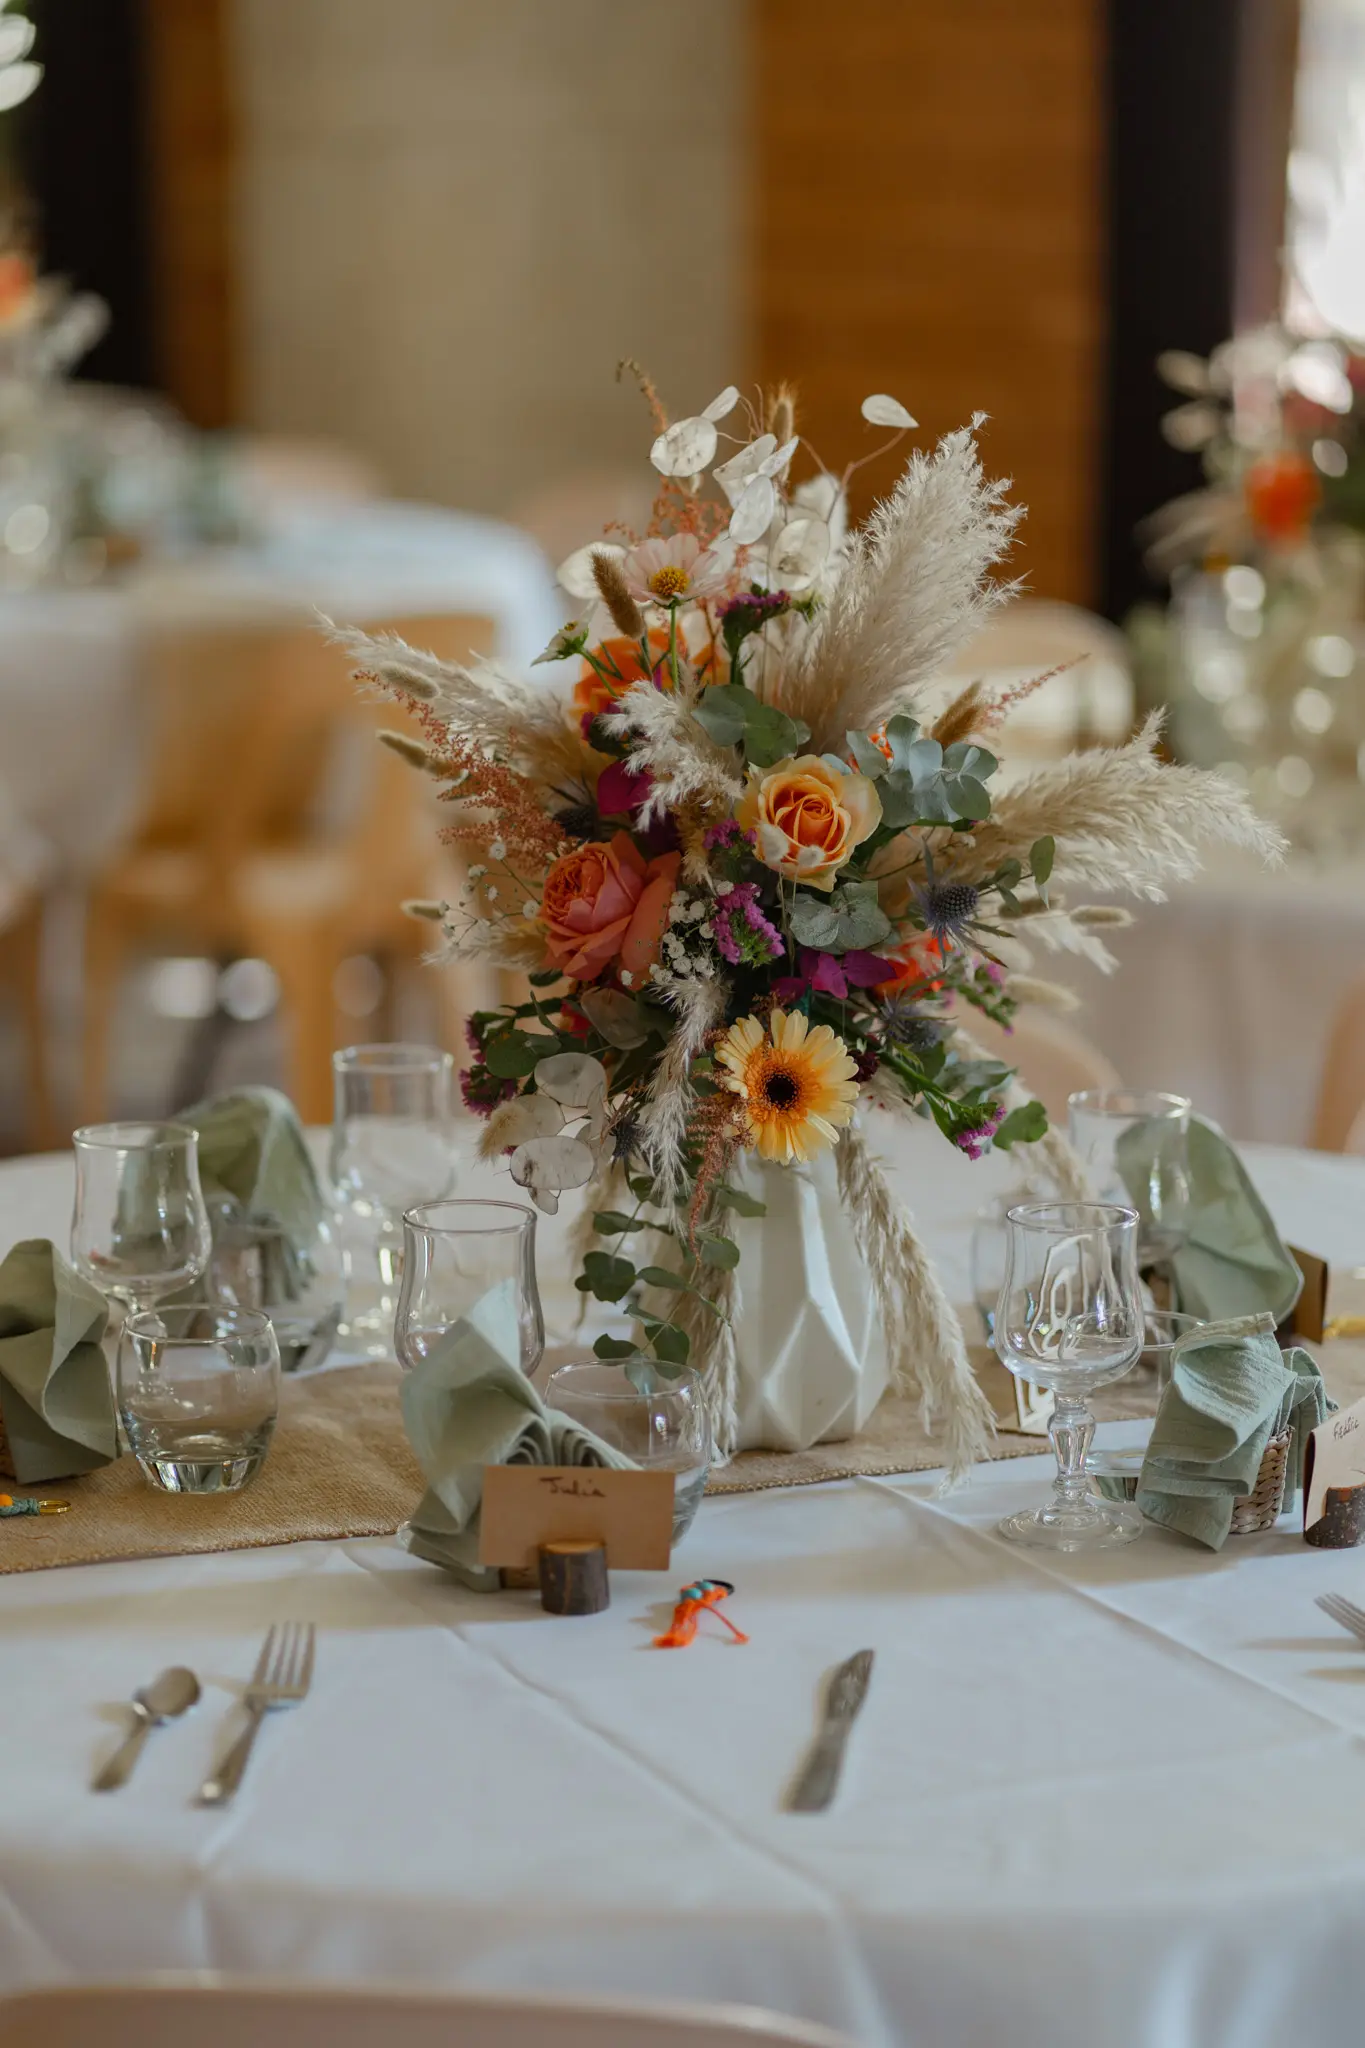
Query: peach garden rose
pixel 808 818
pixel 605 902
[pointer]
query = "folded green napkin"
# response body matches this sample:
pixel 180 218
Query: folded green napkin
pixel 465 1406
pixel 1231 1390
pixel 1234 1262
pixel 55 1397
pixel 255 1167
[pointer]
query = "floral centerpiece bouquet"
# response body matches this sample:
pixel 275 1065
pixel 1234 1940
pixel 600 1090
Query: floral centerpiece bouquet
pixel 757 871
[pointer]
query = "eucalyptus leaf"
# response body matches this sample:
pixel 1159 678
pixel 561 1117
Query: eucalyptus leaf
pixel 608 1277
pixel 835 762
pixel 721 1252
pixel 869 757
pixel 814 923
pixel 514 1054
pixel 721 712
pixel 964 757
pixel 771 736
pixel 615 1347
pixel 1042 853
pixel 671 1344
pixel 659 1276
pixel 1023 1126
pixel 968 797
pixel 901 733
pixel 611 1223
pixel 742 1204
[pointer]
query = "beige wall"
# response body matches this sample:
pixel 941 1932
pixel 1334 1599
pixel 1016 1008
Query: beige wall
pixel 455 215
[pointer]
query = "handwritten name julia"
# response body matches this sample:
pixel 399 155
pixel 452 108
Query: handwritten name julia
pixel 577 1489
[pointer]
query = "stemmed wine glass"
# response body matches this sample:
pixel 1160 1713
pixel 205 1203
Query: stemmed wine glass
pixel 392 1145
pixel 1070 1317
pixel 139 1227
pixel 1135 1143
pixel 473 1262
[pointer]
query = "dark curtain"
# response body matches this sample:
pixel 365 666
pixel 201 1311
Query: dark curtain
pixel 1172 123
pixel 85 166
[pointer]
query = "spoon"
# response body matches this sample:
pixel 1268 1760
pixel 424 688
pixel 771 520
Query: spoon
pixel 174 1692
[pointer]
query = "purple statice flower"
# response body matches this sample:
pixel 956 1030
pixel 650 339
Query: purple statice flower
pixel 755 604
pixel 975 1140
pixel 482 1091
pixel 728 836
pixel 744 936
pixel 472 1038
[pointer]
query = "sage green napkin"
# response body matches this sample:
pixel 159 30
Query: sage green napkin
pixel 55 1395
pixel 254 1165
pixel 1231 1390
pixel 1234 1262
pixel 465 1407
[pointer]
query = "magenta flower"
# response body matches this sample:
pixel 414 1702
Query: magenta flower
pixel 621 791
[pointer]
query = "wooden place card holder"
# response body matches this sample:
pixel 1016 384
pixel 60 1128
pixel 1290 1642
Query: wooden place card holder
pixel 1334 1481
pixel 565 1526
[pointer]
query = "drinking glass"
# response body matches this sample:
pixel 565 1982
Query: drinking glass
pixel 1070 1317
pixel 471 1262
pixel 661 1423
pixel 1162 1330
pixel 392 1146
pixel 198 1392
pixel 1099 1120
pixel 139 1228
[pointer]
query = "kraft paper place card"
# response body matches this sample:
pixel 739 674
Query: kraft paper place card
pixel 1334 1481
pixel 527 1505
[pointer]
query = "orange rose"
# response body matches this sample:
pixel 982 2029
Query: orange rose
pixel 808 818
pixel 621 657
pixel 1282 493
pixel 604 903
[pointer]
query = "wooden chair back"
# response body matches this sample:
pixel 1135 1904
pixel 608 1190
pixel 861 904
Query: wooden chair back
pixel 1339 1120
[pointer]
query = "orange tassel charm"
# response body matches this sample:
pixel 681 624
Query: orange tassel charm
pixel 692 1604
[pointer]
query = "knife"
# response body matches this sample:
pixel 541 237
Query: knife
pixel 815 1787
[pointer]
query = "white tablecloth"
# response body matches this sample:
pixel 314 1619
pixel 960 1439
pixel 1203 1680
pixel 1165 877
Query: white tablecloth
pixel 1227 992
pixel 70 736
pixel 1118 1800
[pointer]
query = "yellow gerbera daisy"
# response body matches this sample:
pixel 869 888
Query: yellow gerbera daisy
pixel 796 1083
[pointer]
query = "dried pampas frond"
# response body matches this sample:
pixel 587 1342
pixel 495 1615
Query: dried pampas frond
pixel 664 1119
pixel 1121 819
pixel 480 702
pixel 914 586
pixel 687 765
pixel 711 1331
pixel 924 1338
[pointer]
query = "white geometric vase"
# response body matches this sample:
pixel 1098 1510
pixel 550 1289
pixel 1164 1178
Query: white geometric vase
pixel 811 1361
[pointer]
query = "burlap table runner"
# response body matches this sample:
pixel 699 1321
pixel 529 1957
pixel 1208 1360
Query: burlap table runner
pixel 340 1466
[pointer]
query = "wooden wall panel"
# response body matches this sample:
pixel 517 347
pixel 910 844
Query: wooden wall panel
pixel 191 146
pixel 929 203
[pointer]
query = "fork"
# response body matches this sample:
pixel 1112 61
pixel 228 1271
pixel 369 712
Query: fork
pixel 283 1674
pixel 1344 1611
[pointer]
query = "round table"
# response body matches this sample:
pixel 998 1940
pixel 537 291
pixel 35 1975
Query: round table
pixel 71 736
pixel 1115 1799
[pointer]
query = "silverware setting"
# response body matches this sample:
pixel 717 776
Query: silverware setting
pixel 819 1779
pixel 173 1692
pixel 283 1674
pixel 1344 1612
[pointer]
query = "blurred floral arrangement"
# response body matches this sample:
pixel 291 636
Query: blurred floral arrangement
pixel 754 876
pixel 1277 421
pixel 1260 659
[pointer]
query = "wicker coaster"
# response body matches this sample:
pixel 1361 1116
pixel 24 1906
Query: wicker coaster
pixel 339 1466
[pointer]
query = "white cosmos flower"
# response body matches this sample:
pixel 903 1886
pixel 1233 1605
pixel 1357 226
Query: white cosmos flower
pixel 668 569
